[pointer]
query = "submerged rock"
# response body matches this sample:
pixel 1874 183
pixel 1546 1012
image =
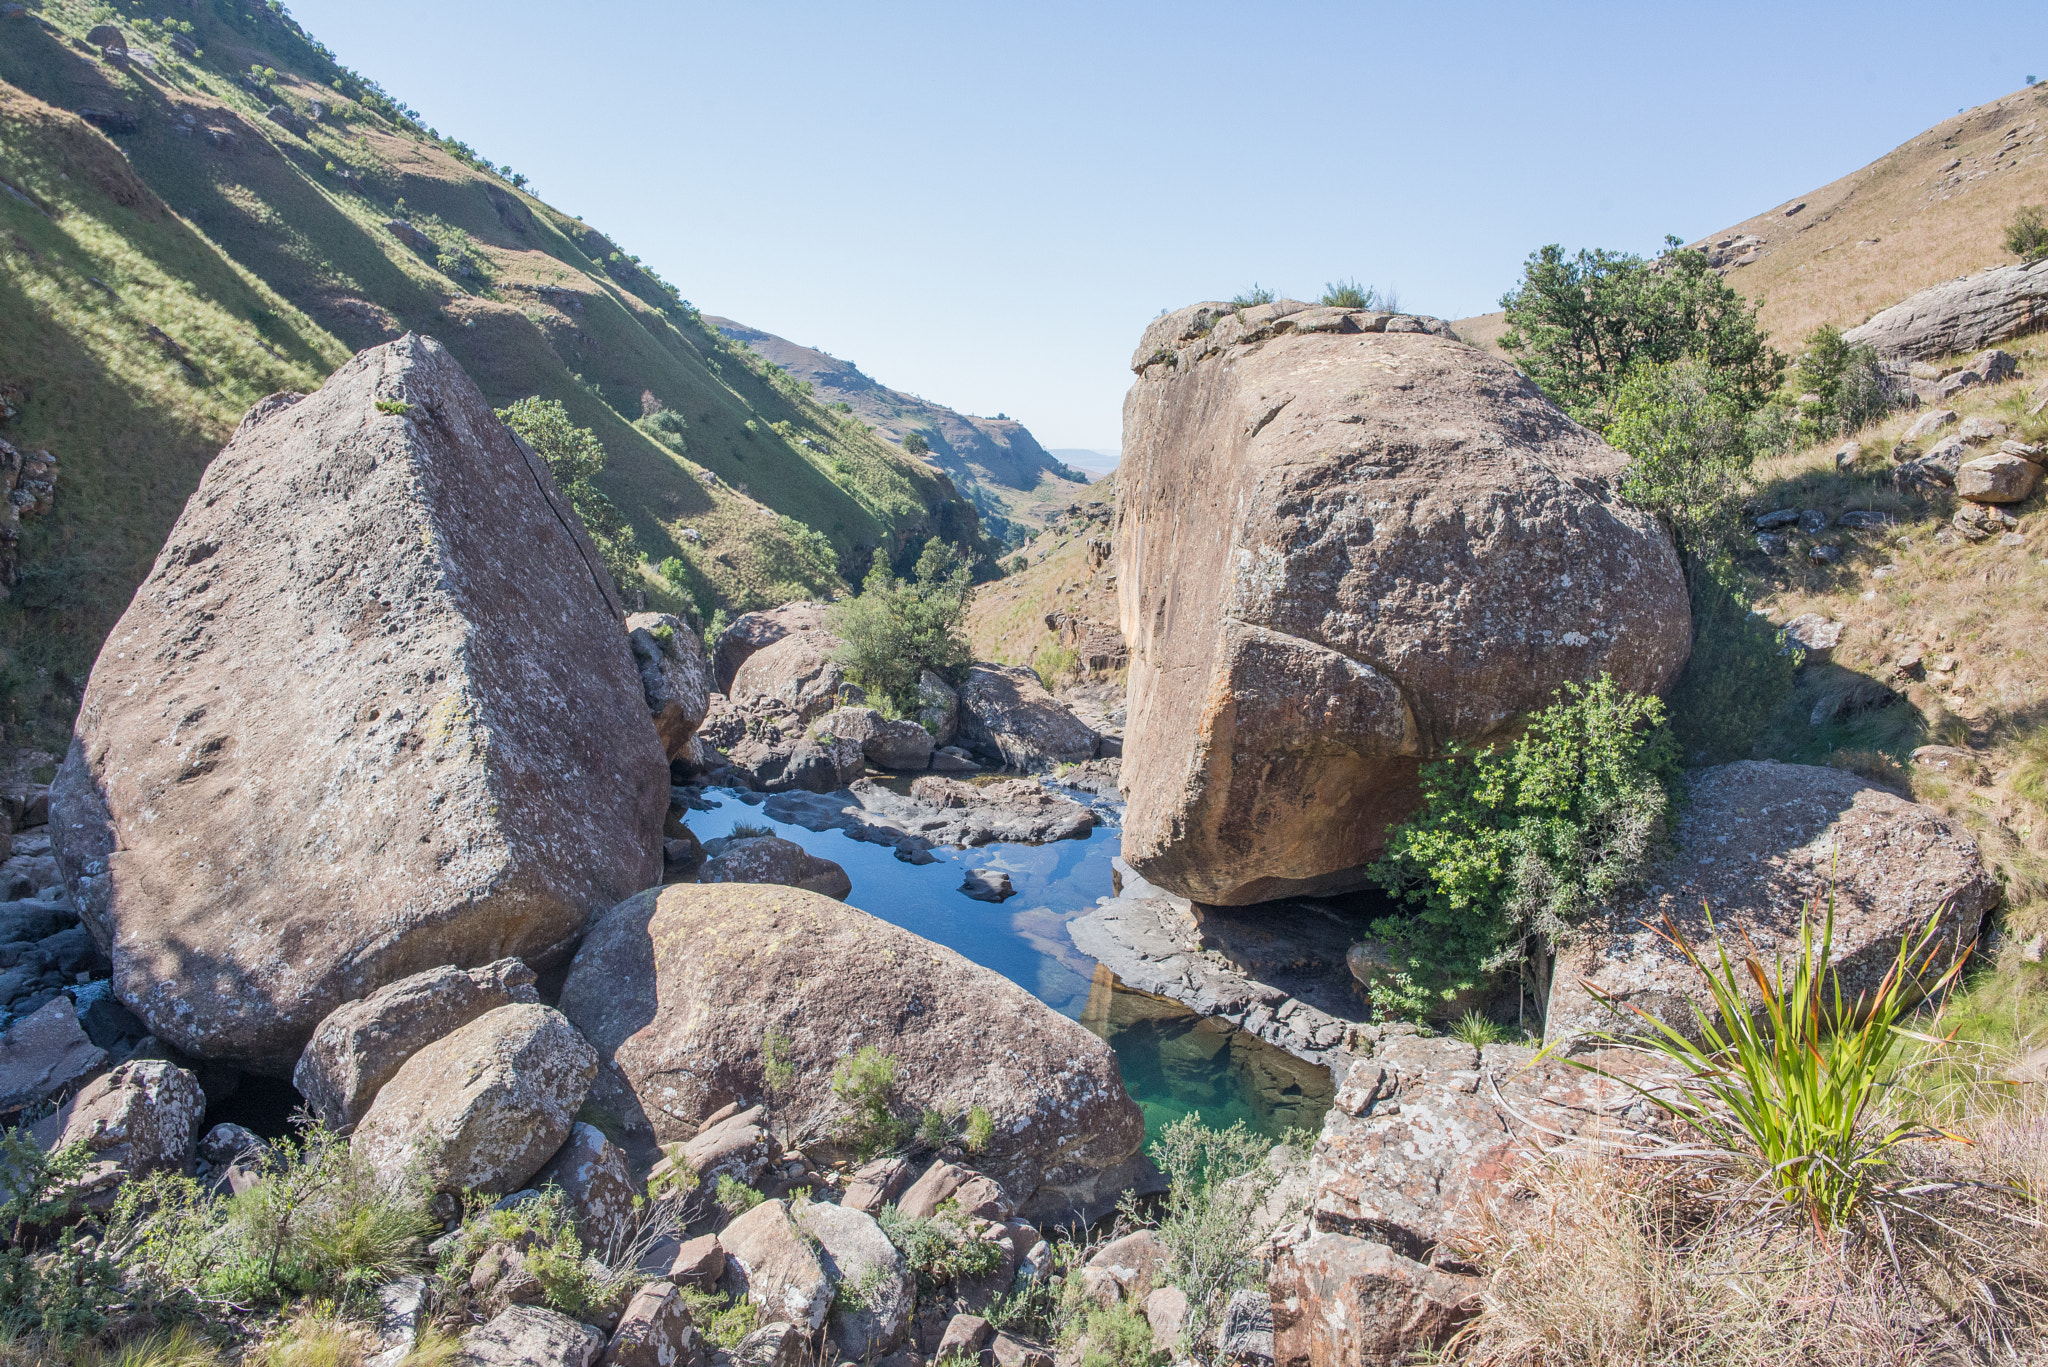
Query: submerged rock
pixel 1341 547
pixel 678 987
pixel 350 729
pixel 947 811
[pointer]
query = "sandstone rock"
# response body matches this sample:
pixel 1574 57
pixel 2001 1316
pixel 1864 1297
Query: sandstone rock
pixel 1783 517
pixel 597 1181
pixel 1006 714
pixel 874 1185
pixel 951 759
pixel 1996 479
pixel 402 1311
pixel 873 1309
pixel 988 885
pixel 965 1338
pixel 1959 315
pixel 45 1053
pixel 1770 543
pixel 946 811
pixel 739 1144
pixel 1927 424
pixel 1166 1310
pixel 1336 555
pixel 363 1044
pixel 770 1262
pixel 1977 430
pixel 1345 1302
pixel 753 631
pixel 820 765
pixel 1132 1263
pixel 141 1118
pixel 444 758
pixel 771 859
pixel 501 1278
pixel 676 988
pixel 484 1107
pixel 1757 842
pixel 890 744
pixel 654 1331
pixel 528 1336
pixel 1007 1350
pixel 700 1262
pixel 943 1182
pixel 675 678
pixel 795 674
pixel 938 708
pixel 772 1345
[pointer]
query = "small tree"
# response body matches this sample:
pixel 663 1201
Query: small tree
pixel 915 443
pixel 1691 452
pixel 893 629
pixel 1846 382
pixel 2026 236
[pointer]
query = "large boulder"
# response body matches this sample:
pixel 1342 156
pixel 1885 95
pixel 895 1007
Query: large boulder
pixel 1345 542
pixel 1344 1302
pixel 771 859
pixel 1007 716
pixel 362 1045
pixel 778 1265
pixel 529 1336
pixel 483 1108
pixel 1959 315
pixel 678 986
pixel 370 712
pixel 872 1310
pixel 596 1182
pixel 755 631
pixel 675 678
pixel 44 1053
pixel 142 1117
pixel 1759 845
pixel 798 763
pixel 1996 478
pixel 891 744
pixel 796 674
pixel 938 707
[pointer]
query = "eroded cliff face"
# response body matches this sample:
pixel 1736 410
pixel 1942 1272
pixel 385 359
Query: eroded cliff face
pixel 1346 540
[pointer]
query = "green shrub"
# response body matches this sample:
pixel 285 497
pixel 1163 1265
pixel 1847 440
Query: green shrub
pixel 572 1282
pixel 981 1129
pixel 57 1291
pixel 893 629
pixel 2026 235
pixel 934 1131
pixel 1117 1336
pixel 1477 1030
pixel 1691 452
pixel 1349 294
pixel 723 1320
pixel 1847 384
pixel 1251 298
pixel 941 1249
pixel 574 456
pixel 864 1081
pixel 1522 842
pixel 1739 675
pixel 733 1196
pixel 914 442
pixel 397 408
pixel 750 830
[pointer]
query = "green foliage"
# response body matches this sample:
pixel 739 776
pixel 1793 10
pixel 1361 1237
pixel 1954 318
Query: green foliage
pixel 1016 564
pixel 1477 1030
pixel 934 1131
pixel 572 1282
pixel 942 1249
pixel 1252 298
pixel 1738 676
pixel 57 1291
pixel 1579 325
pixel 1117 1336
pixel 863 1081
pixel 1349 294
pixel 1784 1081
pixel 397 408
pixel 893 629
pixel 2026 235
pixel 733 1196
pixel 1691 452
pixel 1526 841
pixel 914 442
pixel 753 830
pixel 981 1129
pixel 723 1320
pixel 1216 1182
pixel 1846 382
pixel 574 456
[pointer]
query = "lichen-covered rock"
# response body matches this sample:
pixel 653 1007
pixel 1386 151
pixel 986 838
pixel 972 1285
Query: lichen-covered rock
pixel 938 707
pixel 1007 716
pixel 596 1182
pixel 677 988
pixel 142 1117
pixel 1344 1302
pixel 890 744
pixel 529 1336
pixel 771 859
pixel 1757 844
pixel 654 1331
pixel 1996 478
pixel 675 678
pixel 796 674
pixel 1342 547
pixel 947 811
pixel 1959 315
pixel 738 1145
pixel 362 1045
pixel 44 1053
pixel 769 1261
pixel 483 1108
pixel 975 1194
pixel 350 729
pixel 871 1319
pixel 752 632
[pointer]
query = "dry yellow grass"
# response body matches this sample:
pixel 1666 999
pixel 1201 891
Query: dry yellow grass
pixel 1006 618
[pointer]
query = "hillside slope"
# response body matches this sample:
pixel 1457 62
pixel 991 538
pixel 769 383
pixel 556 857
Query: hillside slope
pixel 215 209
pixel 1929 210
pixel 996 462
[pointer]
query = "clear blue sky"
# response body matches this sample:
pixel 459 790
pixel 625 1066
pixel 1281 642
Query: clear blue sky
pixel 985 204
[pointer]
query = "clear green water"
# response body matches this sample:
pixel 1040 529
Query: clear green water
pixel 1173 1061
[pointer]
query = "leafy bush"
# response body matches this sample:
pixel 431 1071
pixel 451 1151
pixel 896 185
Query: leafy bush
pixel 934 1131
pixel 864 1081
pixel 1522 842
pixel 981 1129
pixel 2026 235
pixel 574 456
pixel 1847 384
pixel 56 1291
pixel 1738 676
pixel 1691 452
pixel 734 1197
pixel 723 1320
pixel 1785 1086
pixel 914 442
pixel 1349 294
pixel 579 1286
pixel 1116 1336
pixel 943 1248
pixel 1252 298
pixel 1581 325
pixel 893 629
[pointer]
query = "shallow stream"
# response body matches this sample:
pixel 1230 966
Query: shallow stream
pixel 1173 1061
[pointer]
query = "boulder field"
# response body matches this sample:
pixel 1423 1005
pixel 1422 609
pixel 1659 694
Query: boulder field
pixel 371 712
pixel 1345 540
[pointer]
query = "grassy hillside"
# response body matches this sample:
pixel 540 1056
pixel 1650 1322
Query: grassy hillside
pixel 1006 618
pixel 206 221
pixel 1929 210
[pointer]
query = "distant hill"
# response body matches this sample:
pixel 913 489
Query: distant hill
pixel 213 209
pixel 1094 464
pixel 996 462
pixel 1929 210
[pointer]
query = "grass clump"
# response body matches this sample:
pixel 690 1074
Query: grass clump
pixel 723 1320
pixel 1349 294
pixel 578 1285
pixel 733 1196
pixel 1252 298
pixel 1522 842
pixel 750 830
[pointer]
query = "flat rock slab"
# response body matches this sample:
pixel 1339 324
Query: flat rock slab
pixel 372 711
pixel 1758 843
pixel 950 811
pixel 44 1054
pixel 1959 315
pixel 678 987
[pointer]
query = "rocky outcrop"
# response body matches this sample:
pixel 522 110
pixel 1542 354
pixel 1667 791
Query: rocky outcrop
pixel 362 1045
pixel 677 989
pixel 1959 315
pixel 771 859
pixel 754 631
pixel 796 675
pixel 675 678
pixel 770 1261
pixel 348 729
pixel 483 1108
pixel 1759 845
pixel 596 1182
pixel 857 1255
pixel 946 811
pixel 529 1336
pixel 887 744
pixel 1344 541
pixel 1344 1302
pixel 938 708
pixel 1007 716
